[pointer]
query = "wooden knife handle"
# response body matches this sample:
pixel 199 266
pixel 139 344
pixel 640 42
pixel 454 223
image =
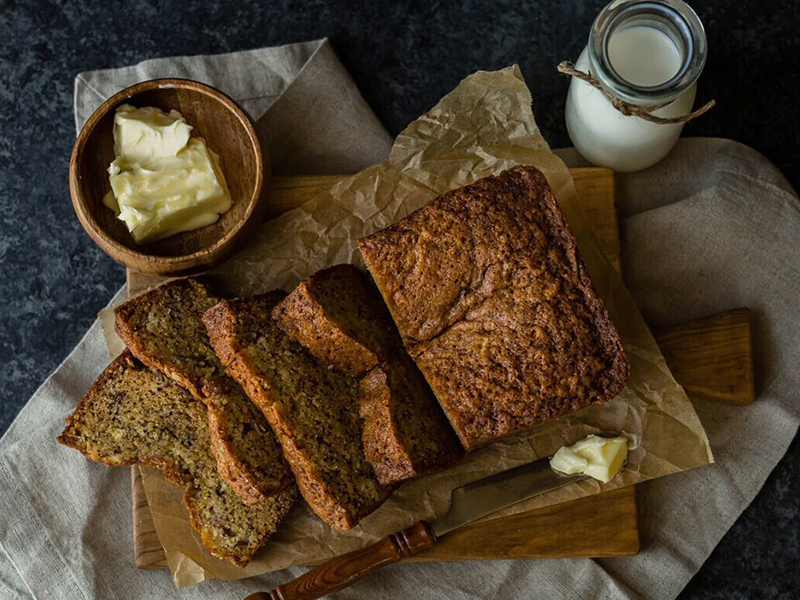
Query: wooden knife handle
pixel 343 571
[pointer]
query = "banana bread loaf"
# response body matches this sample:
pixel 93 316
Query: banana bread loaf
pixel 339 316
pixel 163 328
pixel 496 307
pixel 135 415
pixel 311 407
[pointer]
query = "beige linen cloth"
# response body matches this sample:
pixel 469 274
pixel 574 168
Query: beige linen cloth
pixel 712 227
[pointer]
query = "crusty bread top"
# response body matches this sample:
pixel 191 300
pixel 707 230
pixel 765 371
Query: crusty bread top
pixel 310 406
pixel 163 328
pixel 495 305
pixel 135 415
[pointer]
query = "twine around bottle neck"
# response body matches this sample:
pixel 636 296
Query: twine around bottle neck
pixel 633 110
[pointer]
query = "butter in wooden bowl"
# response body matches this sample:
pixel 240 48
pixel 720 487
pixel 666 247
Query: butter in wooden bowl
pixel 163 181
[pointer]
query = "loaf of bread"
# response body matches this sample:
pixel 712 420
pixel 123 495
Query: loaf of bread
pixel 163 328
pixel 135 415
pixel 496 307
pixel 339 316
pixel 311 407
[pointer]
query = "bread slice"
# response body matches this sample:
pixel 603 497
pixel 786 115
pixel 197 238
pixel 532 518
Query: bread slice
pixel 496 307
pixel 163 328
pixel 311 407
pixel 339 316
pixel 135 415
pixel 406 434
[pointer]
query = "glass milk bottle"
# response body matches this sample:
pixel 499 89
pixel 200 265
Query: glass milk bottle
pixel 645 54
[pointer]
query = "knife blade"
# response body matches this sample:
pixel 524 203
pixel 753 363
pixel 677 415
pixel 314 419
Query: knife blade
pixel 496 492
pixel 467 504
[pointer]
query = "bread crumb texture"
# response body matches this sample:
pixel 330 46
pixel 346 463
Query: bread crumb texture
pixel 311 407
pixel 338 315
pixel 163 328
pixel 133 414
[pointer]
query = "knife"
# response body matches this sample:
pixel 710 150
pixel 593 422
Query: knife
pixel 467 504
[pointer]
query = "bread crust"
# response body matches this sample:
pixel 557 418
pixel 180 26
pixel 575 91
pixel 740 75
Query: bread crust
pixel 406 434
pixel 496 307
pixel 303 318
pixel 248 486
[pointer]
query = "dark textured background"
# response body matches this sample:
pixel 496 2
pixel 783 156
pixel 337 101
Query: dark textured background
pixel 404 56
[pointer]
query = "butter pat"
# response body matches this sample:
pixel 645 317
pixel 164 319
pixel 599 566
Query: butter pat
pixel 162 182
pixel 595 456
pixel 142 134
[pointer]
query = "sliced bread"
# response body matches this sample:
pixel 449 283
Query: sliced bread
pixel 133 414
pixel 340 317
pixel 163 328
pixel 406 434
pixel 311 407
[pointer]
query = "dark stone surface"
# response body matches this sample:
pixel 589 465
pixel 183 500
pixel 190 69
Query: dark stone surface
pixel 404 56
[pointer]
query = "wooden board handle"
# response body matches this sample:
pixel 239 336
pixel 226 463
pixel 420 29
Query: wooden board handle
pixel 712 357
pixel 343 571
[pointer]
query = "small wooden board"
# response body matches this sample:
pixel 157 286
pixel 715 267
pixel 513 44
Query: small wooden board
pixel 713 356
pixel 600 525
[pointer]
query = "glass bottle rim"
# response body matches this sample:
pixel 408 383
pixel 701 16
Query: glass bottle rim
pixel 674 17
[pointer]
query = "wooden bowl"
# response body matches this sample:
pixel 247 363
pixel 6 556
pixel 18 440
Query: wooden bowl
pixel 227 130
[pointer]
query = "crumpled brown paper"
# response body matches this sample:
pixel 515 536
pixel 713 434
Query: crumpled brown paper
pixel 482 127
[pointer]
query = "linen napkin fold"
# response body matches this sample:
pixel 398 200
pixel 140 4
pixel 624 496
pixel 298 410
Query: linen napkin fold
pixel 713 227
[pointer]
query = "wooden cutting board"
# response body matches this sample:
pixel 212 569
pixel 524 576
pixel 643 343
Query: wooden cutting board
pixel 710 357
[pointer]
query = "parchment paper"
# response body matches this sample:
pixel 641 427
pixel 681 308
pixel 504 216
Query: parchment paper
pixel 482 127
